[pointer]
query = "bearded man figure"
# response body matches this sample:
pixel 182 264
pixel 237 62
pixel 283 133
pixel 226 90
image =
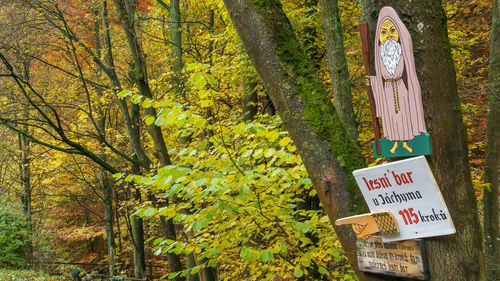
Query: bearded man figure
pixel 395 87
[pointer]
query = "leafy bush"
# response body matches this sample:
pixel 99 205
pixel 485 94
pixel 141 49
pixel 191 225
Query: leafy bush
pixel 241 197
pixel 13 236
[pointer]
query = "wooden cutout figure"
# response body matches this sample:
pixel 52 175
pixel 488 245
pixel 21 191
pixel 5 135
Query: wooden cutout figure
pixel 366 225
pixel 396 90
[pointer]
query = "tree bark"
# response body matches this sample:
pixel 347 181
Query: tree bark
pixel 249 101
pixel 491 165
pixel 337 63
pixel 329 154
pixel 107 187
pixel 176 38
pixel 24 146
pixel 426 22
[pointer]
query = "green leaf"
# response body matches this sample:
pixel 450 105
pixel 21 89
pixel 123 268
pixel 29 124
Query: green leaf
pixel 298 272
pixel 139 213
pixel 160 121
pixel 258 153
pixel 244 253
pixel 149 120
pixel 244 190
pixel 198 81
pixel 124 93
pixel 147 103
pixel 211 80
pixel 195 269
pixel 158 251
pixel 200 182
pixel 203 94
pixel 266 256
pixel 136 98
pixel 323 270
pixel 173 275
pixel 149 212
pixel 206 103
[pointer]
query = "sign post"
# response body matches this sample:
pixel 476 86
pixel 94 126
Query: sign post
pixel 408 189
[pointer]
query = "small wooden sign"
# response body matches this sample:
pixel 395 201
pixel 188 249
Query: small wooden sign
pixel 401 258
pixel 409 191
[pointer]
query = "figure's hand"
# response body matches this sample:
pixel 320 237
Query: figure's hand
pixel 368 224
pixel 367 80
pixel 363 225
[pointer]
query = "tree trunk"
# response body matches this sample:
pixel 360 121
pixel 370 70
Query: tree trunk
pixel 106 183
pixel 426 22
pixel 329 154
pixel 126 12
pixel 176 38
pixel 491 165
pixel 118 231
pixel 249 101
pixel 133 135
pixel 337 62
pixel 107 187
pixel 24 146
pixel 139 257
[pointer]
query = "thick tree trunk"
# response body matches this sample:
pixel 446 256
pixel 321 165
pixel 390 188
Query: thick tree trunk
pixel 458 256
pixel 329 154
pixel 337 63
pixel 491 165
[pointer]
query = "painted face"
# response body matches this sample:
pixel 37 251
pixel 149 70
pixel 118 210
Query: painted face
pixel 388 31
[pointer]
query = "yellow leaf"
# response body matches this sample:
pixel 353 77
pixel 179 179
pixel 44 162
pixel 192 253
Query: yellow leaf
pixel 284 141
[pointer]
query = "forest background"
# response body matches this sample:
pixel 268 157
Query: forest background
pixel 138 140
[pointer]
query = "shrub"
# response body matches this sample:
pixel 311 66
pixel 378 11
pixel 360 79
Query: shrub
pixel 13 236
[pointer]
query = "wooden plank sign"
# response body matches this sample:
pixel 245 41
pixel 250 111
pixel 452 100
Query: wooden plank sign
pixel 408 189
pixel 401 258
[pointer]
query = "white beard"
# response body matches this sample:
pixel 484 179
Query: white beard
pixel 390 52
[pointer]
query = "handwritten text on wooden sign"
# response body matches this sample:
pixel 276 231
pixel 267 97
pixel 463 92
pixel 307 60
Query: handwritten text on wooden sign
pixel 400 258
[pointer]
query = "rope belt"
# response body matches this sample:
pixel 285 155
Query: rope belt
pixel 395 93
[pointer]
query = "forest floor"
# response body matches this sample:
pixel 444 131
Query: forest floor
pixel 25 275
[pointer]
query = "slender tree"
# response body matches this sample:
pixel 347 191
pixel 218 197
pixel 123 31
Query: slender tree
pixel 138 73
pixel 337 65
pixel 491 166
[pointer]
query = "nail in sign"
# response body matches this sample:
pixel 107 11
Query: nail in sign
pixel 408 189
